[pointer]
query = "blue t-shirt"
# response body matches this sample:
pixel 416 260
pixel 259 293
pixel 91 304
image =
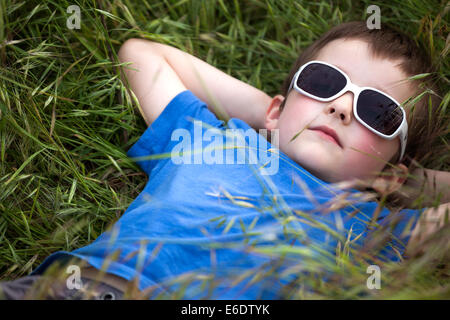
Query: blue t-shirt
pixel 222 215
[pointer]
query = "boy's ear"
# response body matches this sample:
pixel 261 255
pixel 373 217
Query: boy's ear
pixel 273 112
pixel 390 179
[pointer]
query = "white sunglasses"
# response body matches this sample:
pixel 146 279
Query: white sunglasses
pixel 374 109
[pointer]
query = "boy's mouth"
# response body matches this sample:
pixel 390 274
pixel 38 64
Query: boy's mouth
pixel 330 133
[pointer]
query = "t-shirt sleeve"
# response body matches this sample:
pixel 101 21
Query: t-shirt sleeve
pixel 156 143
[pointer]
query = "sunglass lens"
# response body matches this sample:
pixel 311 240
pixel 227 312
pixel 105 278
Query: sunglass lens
pixel 379 112
pixel 321 80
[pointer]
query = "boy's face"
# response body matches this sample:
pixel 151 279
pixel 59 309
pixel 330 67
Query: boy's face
pixel 361 153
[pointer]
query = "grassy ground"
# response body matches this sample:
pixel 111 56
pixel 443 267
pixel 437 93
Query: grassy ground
pixel 66 121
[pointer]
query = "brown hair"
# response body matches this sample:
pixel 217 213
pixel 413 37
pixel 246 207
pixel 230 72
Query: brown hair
pixel 388 43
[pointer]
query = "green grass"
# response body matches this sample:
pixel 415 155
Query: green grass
pixel 66 120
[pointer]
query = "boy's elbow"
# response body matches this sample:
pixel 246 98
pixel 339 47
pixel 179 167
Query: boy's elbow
pixel 133 48
pixel 128 49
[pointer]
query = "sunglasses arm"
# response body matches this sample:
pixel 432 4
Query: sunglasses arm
pixel 403 140
pixel 294 78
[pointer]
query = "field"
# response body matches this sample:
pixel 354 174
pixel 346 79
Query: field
pixel 66 120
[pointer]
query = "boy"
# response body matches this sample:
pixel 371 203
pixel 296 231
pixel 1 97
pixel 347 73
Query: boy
pixel 200 222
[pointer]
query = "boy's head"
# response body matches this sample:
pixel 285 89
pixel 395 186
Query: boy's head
pixel 379 58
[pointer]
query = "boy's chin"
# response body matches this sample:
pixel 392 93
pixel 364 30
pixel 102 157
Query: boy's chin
pixel 359 182
pixel 324 166
pixel 323 174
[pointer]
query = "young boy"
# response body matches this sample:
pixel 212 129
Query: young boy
pixel 207 217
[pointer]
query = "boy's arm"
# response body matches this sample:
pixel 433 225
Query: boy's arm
pixel 159 72
pixel 431 221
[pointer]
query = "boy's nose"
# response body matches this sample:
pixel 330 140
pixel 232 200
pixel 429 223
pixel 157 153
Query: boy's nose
pixel 341 107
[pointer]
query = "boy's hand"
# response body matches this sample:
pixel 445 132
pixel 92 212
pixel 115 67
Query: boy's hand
pixel 430 222
pixel 159 72
pixel 427 183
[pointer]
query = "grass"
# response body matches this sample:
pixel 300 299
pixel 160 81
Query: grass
pixel 66 120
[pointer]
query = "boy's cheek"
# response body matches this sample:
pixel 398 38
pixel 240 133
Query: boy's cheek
pixel 300 110
pixel 367 156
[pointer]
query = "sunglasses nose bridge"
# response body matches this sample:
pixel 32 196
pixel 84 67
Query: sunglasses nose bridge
pixel 350 87
pixel 353 88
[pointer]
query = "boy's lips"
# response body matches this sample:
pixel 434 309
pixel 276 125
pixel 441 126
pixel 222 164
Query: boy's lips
pixel 329 132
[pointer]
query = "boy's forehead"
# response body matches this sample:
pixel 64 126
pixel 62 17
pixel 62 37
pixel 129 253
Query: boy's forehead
pixel 355 58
